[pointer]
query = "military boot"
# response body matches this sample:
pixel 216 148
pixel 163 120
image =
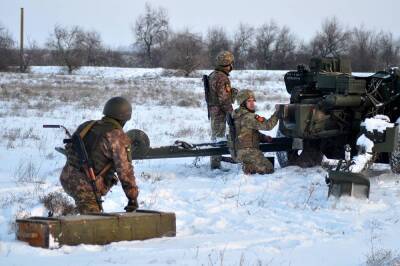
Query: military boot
pixel 309 158
pixel 215 162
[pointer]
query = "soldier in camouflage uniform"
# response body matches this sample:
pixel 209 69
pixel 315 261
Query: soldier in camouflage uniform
pixel 108 148
pixel 248 137
pixel 221 97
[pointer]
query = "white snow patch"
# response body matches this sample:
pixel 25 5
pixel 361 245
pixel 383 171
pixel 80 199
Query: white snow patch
pixel 378 122
pixel 280 219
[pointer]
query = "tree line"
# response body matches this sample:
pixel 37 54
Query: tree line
pixel 268 46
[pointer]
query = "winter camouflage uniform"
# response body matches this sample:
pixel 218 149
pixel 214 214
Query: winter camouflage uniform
pixel 248 138
pixel 109 149
pixel 220 100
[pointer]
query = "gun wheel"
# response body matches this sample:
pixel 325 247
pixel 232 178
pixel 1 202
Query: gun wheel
pixel 394 159
pixel 286 158
pixel 140 141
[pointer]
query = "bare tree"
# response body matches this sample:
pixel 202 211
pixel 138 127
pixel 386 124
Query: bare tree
pixel 265 38
pixel 31 54
pixel 303 54
pixel 151 31
pixel 67 47
pixel 7 54
pixel 332 40
pixel 242 45
pixel 91 45
pixel 363 50
pixel 389 50
pixel 217 41
pixel 185 52
pixel 284 49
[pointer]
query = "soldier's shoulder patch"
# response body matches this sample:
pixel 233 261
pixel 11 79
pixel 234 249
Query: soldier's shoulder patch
pixel 260 119
pixel 228 88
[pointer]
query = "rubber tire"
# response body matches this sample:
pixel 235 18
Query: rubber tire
pixel 140 141
pixel 394 159
pixel 282 156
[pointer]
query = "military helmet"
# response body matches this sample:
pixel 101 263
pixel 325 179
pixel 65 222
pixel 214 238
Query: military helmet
pixel 244 95
pixel 118 108
pixel 224 59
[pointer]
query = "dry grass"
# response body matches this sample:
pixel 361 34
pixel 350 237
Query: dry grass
pixel 377 255
pixel 27 173
pixel 12 134
pixel 17 137
pixel 58 204
pixel 189 102
pixel 190 132
pixel 152 178
pixel 46 93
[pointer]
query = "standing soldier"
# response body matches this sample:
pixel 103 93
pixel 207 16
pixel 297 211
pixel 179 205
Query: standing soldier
pixel 109 151
pixel 220 98
pixel 247 140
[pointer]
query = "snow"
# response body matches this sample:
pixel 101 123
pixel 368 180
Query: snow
pixel 223 218
pixel 378 122
pixel 361 160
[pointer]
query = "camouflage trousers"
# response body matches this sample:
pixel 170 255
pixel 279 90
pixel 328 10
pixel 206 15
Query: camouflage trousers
pixel 218 130
pixel 254 162
pixel 76 184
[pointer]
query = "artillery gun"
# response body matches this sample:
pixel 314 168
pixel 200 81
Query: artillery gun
pixel 327 108
pixel 141 149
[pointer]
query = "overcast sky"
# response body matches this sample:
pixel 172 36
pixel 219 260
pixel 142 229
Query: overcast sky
pixel 114 18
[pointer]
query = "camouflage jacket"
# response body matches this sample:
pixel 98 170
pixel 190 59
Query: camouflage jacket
pixel 221 92
pixel 248 124
pixel 106 143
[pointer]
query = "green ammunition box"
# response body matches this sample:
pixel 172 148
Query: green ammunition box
pixel 96 229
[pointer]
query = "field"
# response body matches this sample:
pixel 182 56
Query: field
pixel 223 218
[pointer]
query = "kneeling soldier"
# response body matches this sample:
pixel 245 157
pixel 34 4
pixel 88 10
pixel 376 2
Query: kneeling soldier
pixel 109 152
pixel 247 125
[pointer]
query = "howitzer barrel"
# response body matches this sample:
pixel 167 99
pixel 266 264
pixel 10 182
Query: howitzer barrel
pixel 342 100
pixel 141 149
pixel 277 144
pixel 165 152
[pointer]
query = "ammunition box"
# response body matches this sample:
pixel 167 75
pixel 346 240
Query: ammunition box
pixel 96 229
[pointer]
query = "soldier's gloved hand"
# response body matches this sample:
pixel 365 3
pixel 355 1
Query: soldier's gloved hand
pixel 234 93
pixel 131 206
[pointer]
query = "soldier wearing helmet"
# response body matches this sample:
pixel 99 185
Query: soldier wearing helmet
pixel 220 99
pixel 247 140
pixel 109 150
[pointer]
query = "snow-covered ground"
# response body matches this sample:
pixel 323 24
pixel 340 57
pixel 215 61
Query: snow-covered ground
pixel 223 218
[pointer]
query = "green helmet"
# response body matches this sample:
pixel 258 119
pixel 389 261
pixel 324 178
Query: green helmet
pixel 118 108
pixel 244 95
pixel 224 59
